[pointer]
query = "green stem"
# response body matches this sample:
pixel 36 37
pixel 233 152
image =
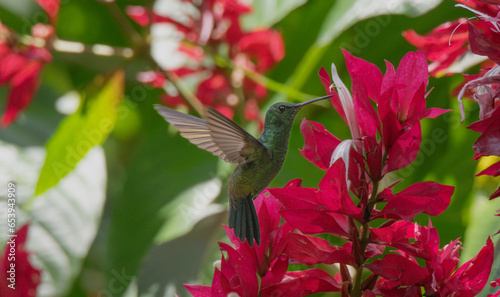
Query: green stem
pixel 124 22
pixel 364 240
pixel 180 86
pixel 265 81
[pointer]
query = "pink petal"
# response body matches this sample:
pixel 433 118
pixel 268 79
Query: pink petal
pixel 51 7
pixel 472 276
pixel 327 83
pixel 411 74
pixel 489 142
pixel 240 271
pixel 199 290
pixel 265 46
pixel 483 40
pixel 404 151
pixel 319 143
pixel 275 273
pixel 424 197
pixel 302 283
pixel 313 250
pixel 27 278
pixel 493 170
pixel 399 269
pixel 310 221
pixel 334 193
pixel 24 84
pixel 366 77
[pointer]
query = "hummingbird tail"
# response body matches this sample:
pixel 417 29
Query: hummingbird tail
pixel 243 220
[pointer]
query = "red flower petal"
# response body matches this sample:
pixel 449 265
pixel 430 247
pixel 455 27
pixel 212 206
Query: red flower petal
pixel 404 151
pixel 26 277
pixel 487 143
pixel 311 221
pixel 23 86
pixel 472 276
pixel 327 83
pixel 424 197
pixel 319 143
pixel 493 170
pixel 51 7
pixel 399 269
pixel 313 250
pixel 484 40
pixel 302 283
pixel 334 193
pixel 264 46
pixel 366 77
pixel 199 290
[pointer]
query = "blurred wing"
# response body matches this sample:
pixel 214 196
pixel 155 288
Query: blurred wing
pixel 218 135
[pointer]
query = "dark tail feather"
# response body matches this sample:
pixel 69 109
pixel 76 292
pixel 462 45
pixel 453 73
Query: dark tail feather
pixel 244 221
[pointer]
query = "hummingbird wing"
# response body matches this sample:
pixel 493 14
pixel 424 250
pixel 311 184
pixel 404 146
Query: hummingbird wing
pixel 217 134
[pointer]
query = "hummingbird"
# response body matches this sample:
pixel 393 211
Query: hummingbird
pixel 258 160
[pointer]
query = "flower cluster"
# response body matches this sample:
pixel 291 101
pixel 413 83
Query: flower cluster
pixel 483 37
pixel 22 63
pixel 383 112
pixel 215 31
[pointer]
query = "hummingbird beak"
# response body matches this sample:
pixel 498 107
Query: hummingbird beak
pixel 300 105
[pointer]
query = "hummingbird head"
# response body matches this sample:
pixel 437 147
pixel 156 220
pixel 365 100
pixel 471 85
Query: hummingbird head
pixel 283 113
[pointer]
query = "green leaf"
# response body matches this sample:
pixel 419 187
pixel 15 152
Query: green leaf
pixel 266 13
pixel 63 220
pixel 162 167
pixel 188 208
pixel 77 134
pixel 344 14
pixel 179 261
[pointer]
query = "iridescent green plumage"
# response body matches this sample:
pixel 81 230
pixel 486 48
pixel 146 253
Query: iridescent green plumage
pixel 258 160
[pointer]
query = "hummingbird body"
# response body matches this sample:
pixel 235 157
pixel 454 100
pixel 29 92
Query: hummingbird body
pixel 258 160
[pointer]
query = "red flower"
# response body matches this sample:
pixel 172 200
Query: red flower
pixel 22 279
pixel 442 46
pixel 425 197
pixel 400 98
pixel 21 67
pixel 263 46
pixel 239 269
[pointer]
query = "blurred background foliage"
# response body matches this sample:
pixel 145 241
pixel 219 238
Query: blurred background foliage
pixel 160 201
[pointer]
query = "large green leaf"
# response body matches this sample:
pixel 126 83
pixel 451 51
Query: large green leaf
pixel 346 13
pixel 266 13
pixel 179 261
pixel 77 134
pixel 63 220
pixel 163 167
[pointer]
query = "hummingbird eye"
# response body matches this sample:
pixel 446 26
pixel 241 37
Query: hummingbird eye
pixel 282 109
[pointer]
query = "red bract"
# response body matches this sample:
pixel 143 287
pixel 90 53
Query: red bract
pixel 243 264
pixel 440 46
pixel 425 197
pixel 21 68
pixel 22 279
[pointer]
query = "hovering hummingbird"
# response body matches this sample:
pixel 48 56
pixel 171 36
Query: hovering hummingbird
pixel 258 160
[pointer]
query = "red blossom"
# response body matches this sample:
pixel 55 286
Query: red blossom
pixel 26 277
pixel 21 68
pixel 440 46
pixel 302 283
pixel 264 46
pixel 424 197
pixel 51 7
pixel 319 143
pixel 396 268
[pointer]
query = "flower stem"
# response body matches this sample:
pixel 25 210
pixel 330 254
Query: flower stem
pixel 364 240
pixel 180 86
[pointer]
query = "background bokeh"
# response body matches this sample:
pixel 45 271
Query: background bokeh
pixel 142 213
